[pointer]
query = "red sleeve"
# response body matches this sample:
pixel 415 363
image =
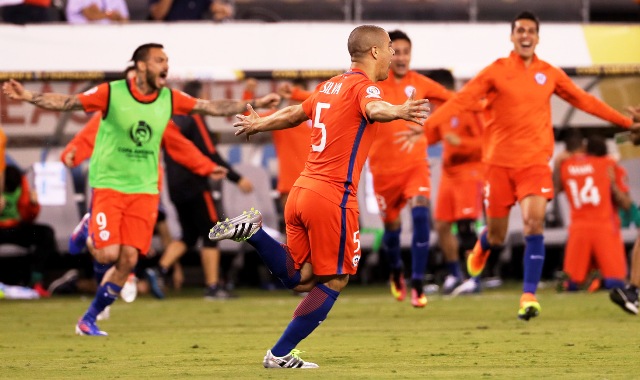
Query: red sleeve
pixel 577 97
pixel 84 141
pixel 182 103
pixel 435 91
pixel 471 141
pixel 184 152
pixel 433 135
pixel 28 211
pixel 247 95
pixel 95 99
pixel 622 179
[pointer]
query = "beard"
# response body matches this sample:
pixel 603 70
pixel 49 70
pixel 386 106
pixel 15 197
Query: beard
pixel 151 81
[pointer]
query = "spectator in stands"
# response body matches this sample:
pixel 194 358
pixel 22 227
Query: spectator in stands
pixel 97 11
pixel 17 225
pixel 191 196
pixel 595 242
pixel 517 146
pixel 185 10
pixel 28 12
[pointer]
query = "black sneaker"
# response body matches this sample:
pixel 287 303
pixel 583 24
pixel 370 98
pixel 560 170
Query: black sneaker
pixel 626 298
pixel 217 293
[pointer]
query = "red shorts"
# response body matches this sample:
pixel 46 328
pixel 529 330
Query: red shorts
pixel 458 199
pixel 506 186
pixel 394 190
pixel 594 246
pixel 123 219
pixel 322 233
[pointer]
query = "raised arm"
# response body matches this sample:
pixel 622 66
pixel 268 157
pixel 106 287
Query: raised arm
pixel 227 107
pixel 50 101
pixel 287 117
pixel 415 111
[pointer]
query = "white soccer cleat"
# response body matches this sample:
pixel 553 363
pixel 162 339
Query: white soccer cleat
pixel 104 314
pixel 288 361
pixel 239 229
pixel 129 291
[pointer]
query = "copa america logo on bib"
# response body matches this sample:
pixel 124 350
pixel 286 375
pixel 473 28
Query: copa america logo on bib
pixel 373 92
pixel 408 90
pixel 541 78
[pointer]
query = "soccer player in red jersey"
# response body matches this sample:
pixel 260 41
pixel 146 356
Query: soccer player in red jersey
pixel 323 243
pixel 588 179
pixel 518 144
pixel 460 191
pixel 124 173
pixel 401 177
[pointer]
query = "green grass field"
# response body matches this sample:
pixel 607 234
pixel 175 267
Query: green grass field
pixel 368 335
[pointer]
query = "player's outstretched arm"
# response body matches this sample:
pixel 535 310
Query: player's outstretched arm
pixel 287 117
pixel 50 101
pixel 229 107
pixel 415 111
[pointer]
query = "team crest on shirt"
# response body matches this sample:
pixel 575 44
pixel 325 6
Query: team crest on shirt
pixel 408 90
pixel 104 235
pixel 356 260
pixel 373 92
pixel 455 122
pixel 540 78
pixel 140 133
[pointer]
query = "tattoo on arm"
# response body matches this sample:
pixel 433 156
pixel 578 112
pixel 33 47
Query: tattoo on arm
pixel 56 102
pixel 224 107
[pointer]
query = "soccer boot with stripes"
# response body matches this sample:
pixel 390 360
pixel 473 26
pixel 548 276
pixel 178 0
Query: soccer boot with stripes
pixel 292 360
pixel 238 229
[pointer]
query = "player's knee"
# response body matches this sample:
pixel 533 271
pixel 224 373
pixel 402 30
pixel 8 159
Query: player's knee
pixel 496 238
pixel 443 228
pixel 533 226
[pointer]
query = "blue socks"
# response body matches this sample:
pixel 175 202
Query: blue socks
pixel 276 257
pixel 391 243
pixel 99 270
pixel 419 242
pixel 308 315
pixel 533 262
pixel 453 268
pixel 105 296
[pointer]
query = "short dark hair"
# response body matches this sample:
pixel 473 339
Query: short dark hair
pixel 193 88
pixel 142 52
pixel 574 140
pixel 526 15
pixel 597 146
pixel 399 35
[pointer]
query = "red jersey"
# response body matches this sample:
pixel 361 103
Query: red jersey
pixel 341 136
pixel 460 159
pixel 386 157
pixel 292 149
pixel 585 180
pixel 518 131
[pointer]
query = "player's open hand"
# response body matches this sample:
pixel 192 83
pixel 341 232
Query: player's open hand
pixel 416 111
pixel 409 137
pixel 14 90
pixel 219 172
pixel 245 123
pixel 268 101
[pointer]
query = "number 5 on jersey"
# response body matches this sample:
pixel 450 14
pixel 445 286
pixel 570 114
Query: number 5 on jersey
pixel 318 124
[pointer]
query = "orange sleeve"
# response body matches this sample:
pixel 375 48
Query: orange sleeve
pixel 182 103
pixel 471 141
pixel 84 141
pixel 95 99
pixel 435 91
pixel 622 179
pixel 433 135
pixel 577 97
pixel 299 95
pixel 28 211
pixel 184 152
pixel 3 150
pixel 467 98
